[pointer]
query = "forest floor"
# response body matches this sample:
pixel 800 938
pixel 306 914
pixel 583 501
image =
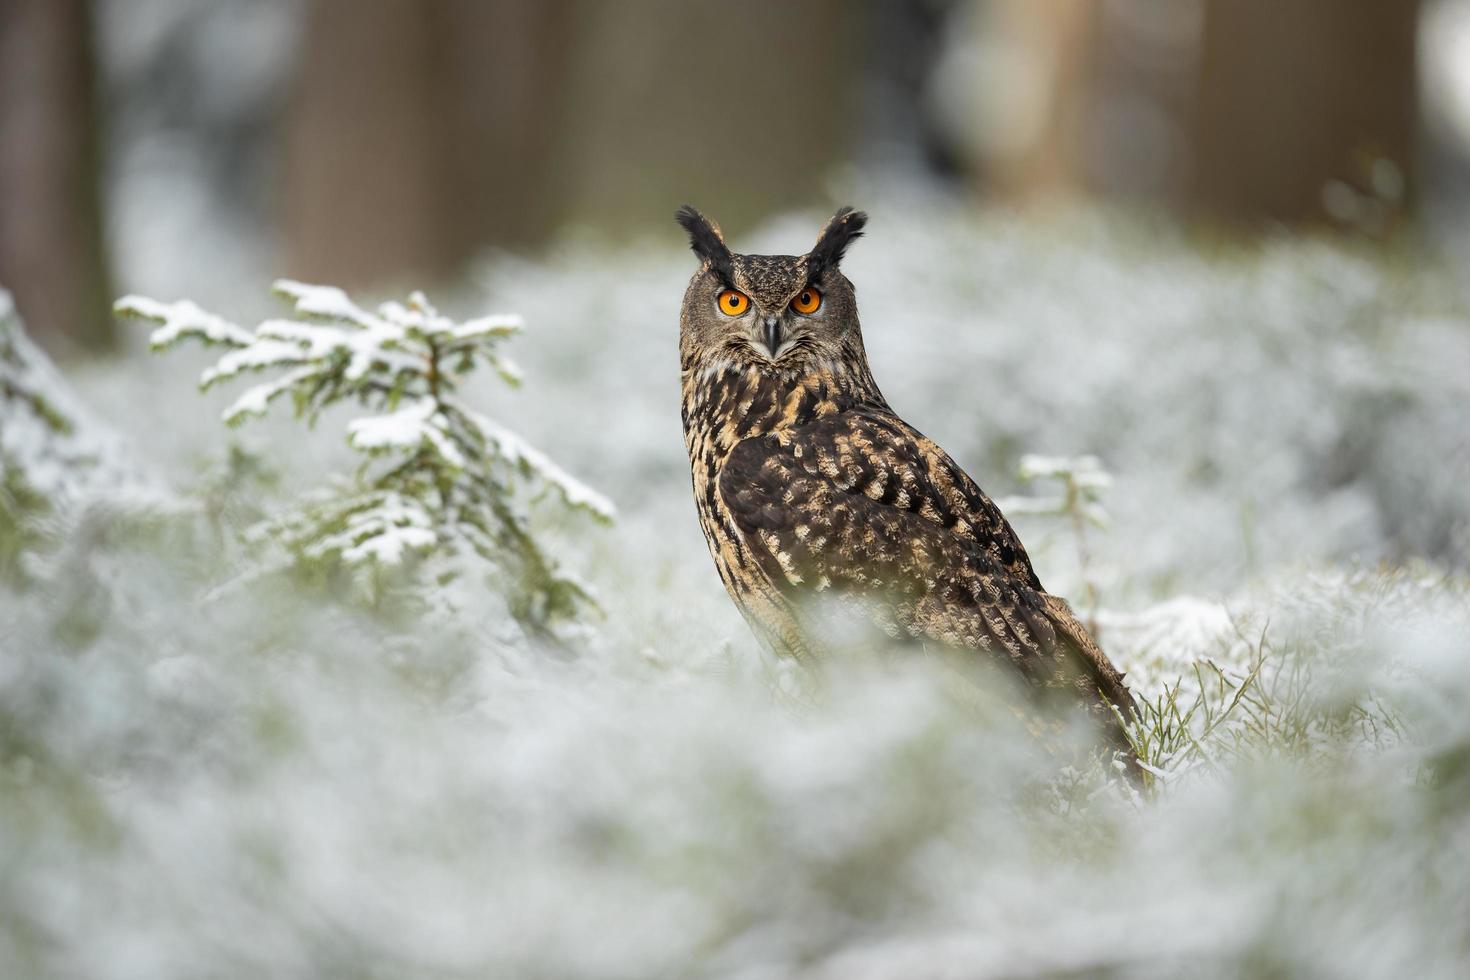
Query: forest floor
pixel 270 780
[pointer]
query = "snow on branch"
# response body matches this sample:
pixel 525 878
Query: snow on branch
pixel 1083 483
pixel 532 462
pixel 182 319
pixel 55 457
pixel 437 476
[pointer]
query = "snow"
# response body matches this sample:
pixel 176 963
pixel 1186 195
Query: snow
pixel 488 326
pixel 385 533
pixel 418 422
pixel 1164 639
pixel 1083 477
pixel 368 349
pixel 278 782
pixel 516 451
pixel 327 302
pixel 1086 472
pixel 508 369
pixel 255 401
pixel 50 442
pixel 259 355
pixel 182 319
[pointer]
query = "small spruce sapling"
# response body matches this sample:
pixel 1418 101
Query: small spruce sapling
pixel 438 479
pixel 1083 483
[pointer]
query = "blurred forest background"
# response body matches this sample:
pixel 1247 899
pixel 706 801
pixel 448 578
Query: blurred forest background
pixel 166 145
pixel 1212 248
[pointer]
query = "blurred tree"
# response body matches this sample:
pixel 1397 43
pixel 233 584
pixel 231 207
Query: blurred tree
pixel 1243 110
pixel 51 242
pixel 1021 109
pixel 1304 108
pixel 424 131
pixel 898 130
pixel 744 109
pixel 420 130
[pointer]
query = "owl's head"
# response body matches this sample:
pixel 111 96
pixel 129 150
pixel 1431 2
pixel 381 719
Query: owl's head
pixel 769 311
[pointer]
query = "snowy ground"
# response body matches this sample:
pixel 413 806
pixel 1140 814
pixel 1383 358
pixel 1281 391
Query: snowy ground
pixel 273 784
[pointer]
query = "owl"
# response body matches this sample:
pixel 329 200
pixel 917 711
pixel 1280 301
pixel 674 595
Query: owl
pixel 813 493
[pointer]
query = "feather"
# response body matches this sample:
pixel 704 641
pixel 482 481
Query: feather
pixel 707 241
pixel 842 230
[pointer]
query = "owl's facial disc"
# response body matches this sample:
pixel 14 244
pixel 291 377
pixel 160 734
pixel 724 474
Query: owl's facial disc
pixel 756 307
pixel 782 312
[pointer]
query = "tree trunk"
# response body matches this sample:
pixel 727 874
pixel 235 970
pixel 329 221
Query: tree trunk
pixel 742 109
pixel 426 130
pixel 420 132
pixel 1306 109
pixel 1238 110
pixel 51 244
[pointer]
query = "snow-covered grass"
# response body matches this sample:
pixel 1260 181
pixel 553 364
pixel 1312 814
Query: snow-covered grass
pixel 272 781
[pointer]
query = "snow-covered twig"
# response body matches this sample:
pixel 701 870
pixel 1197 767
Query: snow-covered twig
pixel 1084 481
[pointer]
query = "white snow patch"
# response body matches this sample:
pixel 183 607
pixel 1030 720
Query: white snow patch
pixel 416 423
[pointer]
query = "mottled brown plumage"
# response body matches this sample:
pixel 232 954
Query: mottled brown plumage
pixel 807 484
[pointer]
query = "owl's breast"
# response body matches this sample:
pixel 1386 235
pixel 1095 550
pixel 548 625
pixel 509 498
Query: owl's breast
pixel 726 404
pixel 721 409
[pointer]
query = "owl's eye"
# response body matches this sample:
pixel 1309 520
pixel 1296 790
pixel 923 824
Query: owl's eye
pixel 807 302
pixel 733 302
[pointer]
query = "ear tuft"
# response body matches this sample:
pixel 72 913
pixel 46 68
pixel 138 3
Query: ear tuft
pixel 705 239
pixel 846 226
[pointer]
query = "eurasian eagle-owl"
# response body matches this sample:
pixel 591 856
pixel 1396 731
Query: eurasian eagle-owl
pixel 808 485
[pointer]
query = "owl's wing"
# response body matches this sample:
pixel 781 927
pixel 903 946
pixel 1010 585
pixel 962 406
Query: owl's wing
pixel 861 505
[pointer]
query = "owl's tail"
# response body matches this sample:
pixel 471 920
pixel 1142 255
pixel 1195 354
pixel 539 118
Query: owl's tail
pixel 1096 675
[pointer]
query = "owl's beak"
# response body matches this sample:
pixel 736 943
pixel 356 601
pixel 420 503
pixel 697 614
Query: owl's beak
pixel 773 334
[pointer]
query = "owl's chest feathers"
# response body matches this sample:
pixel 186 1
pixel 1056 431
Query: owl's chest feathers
pixel 725 405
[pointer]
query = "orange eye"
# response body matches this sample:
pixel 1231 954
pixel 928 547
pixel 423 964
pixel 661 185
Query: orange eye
pixel 807 301
pixel 732 302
